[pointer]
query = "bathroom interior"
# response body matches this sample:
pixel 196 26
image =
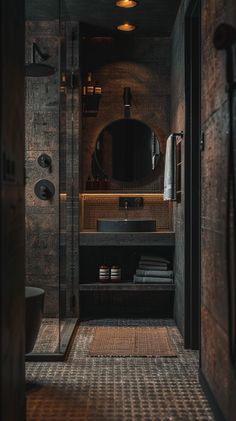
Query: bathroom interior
pixel 92 169
pixel 128 130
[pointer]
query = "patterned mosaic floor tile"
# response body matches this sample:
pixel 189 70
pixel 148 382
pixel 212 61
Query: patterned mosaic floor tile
pixel 85 388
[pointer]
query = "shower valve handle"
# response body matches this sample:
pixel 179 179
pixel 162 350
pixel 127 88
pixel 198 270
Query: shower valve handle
pixel 44 189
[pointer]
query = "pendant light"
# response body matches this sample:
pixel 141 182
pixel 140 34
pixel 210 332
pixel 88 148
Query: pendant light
pixel 126 27
pixel 127 4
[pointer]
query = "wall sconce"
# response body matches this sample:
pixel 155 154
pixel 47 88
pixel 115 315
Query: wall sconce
pixel 91 96
pixel 127 97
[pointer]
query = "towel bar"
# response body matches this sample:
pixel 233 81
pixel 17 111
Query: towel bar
pixel 181 134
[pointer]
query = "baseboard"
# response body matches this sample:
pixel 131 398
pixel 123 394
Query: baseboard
pixel 210 397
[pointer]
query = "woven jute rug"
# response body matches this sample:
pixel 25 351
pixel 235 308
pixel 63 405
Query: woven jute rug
pixel 132 342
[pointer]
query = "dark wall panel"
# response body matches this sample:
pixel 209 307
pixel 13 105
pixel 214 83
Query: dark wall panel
pixel 12 297
pixel 215 362
pixel 178 124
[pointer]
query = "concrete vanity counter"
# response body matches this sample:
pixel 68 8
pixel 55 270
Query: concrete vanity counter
pixel 160 238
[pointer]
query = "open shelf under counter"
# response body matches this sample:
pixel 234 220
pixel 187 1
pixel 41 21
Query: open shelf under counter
pixel 158 238
pixel 124 286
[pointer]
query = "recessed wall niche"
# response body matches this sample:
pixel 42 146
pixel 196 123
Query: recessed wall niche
pixel 143 64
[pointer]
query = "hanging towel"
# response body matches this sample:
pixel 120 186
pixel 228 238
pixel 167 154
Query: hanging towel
pixel 170 169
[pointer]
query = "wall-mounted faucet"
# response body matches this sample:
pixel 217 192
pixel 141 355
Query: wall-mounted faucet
pixel 126 210
pixel 130 202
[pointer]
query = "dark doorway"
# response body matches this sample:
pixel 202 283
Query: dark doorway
pixel 192 173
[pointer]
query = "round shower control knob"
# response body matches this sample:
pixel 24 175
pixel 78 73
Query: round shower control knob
pixel 44 189
pixel 44 160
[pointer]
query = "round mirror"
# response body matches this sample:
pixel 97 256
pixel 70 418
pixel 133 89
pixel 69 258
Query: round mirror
pixel 126 150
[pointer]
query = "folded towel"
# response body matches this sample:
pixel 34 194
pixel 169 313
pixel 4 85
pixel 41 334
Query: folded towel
pixel 155 273
pixel 154 259
pixel 150 280
pixel 170 169
pixel 151 262
pixel 149 266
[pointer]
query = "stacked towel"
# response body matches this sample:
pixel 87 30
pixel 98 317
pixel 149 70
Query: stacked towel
pixel 153 269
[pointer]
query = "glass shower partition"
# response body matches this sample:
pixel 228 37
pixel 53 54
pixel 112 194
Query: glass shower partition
pixel 51 171
pixel 69 178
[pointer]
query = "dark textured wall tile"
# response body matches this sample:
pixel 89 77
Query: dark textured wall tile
pixel 50 284
pixel 41 219
pixel 179 302
pixel 214 288
pixel 42 243
pixel 215 348
pixel 215 360
pixel 48 130
pixel 214 170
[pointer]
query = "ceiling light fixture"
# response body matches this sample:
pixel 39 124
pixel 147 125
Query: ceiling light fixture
pixel 126 27
pixel 127 4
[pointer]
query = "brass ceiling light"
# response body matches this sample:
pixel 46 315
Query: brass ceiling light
pixel 126 27
pixel 127 4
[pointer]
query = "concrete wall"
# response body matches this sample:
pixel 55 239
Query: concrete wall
pixel 215 362
pixel 42 136
pixel 143 64
pixel 50 129
pixel 12 295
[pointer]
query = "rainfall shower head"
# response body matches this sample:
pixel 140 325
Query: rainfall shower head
pixel 38 69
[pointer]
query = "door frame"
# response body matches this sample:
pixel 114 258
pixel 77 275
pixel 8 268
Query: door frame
pixel 192 204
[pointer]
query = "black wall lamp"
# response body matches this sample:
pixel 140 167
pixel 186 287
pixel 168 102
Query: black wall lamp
pixel 127 97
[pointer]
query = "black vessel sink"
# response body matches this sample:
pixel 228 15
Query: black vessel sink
pixel 126 225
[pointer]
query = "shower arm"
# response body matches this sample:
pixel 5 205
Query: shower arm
pixel 35 48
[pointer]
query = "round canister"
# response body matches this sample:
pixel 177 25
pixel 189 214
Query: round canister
pixel 103 273
pixel 115 273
